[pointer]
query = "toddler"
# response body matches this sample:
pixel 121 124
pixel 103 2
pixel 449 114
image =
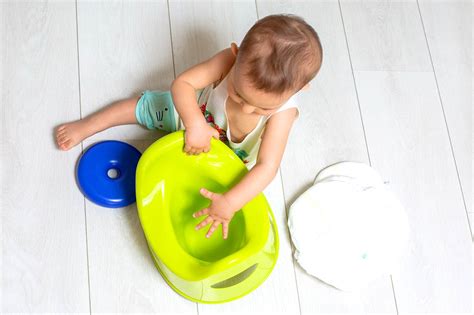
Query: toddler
pixel 244 96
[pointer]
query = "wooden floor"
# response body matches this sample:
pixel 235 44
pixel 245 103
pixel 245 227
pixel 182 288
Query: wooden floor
pixel 394 92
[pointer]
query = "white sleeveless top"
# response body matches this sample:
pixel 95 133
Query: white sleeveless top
pixel 212 103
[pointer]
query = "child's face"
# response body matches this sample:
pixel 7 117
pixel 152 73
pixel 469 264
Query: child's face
pixel 253 101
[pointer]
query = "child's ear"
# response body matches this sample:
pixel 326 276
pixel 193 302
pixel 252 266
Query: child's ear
pixel 234 48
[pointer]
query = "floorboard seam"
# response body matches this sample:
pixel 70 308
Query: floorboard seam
pixel 394 295
pixel 445 120
pixel 291 244
pixel 82 150
pixel 171 38
pixel 174 72
pixel 361 119
pixel 355 84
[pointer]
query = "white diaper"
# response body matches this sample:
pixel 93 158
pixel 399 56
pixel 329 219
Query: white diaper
pixel 348 229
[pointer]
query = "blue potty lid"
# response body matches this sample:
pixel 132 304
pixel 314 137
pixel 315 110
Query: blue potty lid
pixel 106 173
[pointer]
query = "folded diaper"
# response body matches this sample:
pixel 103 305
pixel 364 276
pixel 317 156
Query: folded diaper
pixel 348 228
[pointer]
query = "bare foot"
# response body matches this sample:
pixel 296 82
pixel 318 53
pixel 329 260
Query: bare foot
pixel 70 134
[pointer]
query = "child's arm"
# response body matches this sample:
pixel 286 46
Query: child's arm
pixel 269 157
pixel 198 133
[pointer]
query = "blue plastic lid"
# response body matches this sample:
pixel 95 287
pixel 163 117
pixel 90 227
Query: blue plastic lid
pixel 106 173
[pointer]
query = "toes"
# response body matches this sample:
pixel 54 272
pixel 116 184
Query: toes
pixel 60 129
pixel 61 136
pixel 65 145
pixel 61 132
pixel 62 144
pixel 62 139
pixel 67 136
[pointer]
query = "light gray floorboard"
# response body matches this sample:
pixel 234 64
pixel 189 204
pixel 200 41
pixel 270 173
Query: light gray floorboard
pixel 406 110
pixel 471 222
pixel 448 27
pixel 403 121
pixel 329 130
pixel 124 48
pixel 201 29
pixel 385 35
pixel 44 265
pixel 408 142
pixel 192 25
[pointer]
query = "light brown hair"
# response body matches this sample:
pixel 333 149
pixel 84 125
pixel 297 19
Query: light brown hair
pixel 280 53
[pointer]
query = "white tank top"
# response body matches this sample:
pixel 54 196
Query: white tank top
pixel 212 103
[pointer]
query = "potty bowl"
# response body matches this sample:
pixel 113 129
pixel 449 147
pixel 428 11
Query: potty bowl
pixel 213 270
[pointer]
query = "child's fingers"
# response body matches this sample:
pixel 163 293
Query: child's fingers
pixel 187 148
pixel 225 229
pixel 206 193
pixel 213 228
pixel 204 223
pixel 194 151
pixel 200 213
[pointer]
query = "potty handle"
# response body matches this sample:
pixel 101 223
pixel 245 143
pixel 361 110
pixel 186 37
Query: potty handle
pixel 246 275
pixel 227 285
pixel 234 280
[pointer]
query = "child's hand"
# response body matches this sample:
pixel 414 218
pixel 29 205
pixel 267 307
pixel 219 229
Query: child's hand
pixel 219 211
pixel 197 138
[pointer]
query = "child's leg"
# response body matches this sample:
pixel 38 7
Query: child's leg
pixel 119 113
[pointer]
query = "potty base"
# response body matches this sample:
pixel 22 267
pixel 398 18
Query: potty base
pixel 260 275
pixel 203 270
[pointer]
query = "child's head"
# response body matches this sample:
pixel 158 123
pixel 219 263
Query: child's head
pixel 278 56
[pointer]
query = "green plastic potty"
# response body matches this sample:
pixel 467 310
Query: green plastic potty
pixel 203 270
